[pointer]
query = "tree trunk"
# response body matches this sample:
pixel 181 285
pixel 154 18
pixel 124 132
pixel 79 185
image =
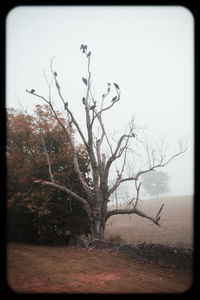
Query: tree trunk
pixel 97 229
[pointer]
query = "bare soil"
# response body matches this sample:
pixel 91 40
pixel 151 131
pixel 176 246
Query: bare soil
pixel 39 269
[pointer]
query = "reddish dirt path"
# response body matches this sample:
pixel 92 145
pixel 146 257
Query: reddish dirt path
pixel 37 269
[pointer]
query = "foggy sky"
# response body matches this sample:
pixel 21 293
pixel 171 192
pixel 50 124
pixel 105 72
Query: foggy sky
pixel 147 50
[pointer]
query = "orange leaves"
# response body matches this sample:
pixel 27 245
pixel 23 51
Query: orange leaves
pixel 26 158
pixel 45 120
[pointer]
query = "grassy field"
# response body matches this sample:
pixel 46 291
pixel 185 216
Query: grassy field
pixel 176 223
pixel 39 269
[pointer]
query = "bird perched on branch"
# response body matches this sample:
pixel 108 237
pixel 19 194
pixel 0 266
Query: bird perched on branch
pixel 114 99
pixel 57 85
pixel 84 80
pixel 66 105
pixel 116 85
pixel 89 54
pixel 83 48
pixel 83 100
pixel 133 135
pixel 55 74
pixel 32 91
pixel 93 106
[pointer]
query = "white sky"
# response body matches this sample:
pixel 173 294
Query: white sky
pixel 147 50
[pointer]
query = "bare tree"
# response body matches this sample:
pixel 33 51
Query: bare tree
pixel 98 196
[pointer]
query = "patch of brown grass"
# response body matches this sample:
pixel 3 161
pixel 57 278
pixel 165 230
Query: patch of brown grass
pixel 37 269
pixel 176 223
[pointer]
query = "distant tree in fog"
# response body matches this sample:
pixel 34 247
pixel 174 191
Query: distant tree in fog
pixel 156 183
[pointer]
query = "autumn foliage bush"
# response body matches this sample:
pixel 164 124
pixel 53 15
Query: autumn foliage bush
pixel 35 213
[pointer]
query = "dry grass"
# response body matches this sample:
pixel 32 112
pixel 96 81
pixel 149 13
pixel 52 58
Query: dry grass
pixel 176 223
pixel 37 269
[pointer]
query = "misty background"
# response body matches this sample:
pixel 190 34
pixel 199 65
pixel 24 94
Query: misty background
pixel 147 50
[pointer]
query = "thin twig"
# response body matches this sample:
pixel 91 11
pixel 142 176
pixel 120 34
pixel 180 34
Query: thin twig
pixel 138 192
pixel 47 155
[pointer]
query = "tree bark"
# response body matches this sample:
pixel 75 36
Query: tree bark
pixel 97 229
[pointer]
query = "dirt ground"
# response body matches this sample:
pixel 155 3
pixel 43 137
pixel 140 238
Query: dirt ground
pixel 39 269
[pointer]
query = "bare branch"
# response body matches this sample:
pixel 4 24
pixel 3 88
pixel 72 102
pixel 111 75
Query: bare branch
pixel 115 186
pixel 157 216
pixel 47 155
pixel 103 98
pixel 132 178
pixel 89 130
pixel 69 138
pixel 37 95
pixel 20 104
pixel 138 192
pixel 78 128
pixel 104 134
pixel 56 81
pixel 75 158
pixel 160 164
pixel 104 109
pixel 66 107
pixel 131 211
pixel 68 191
pixel 116 155
pixel 49 85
